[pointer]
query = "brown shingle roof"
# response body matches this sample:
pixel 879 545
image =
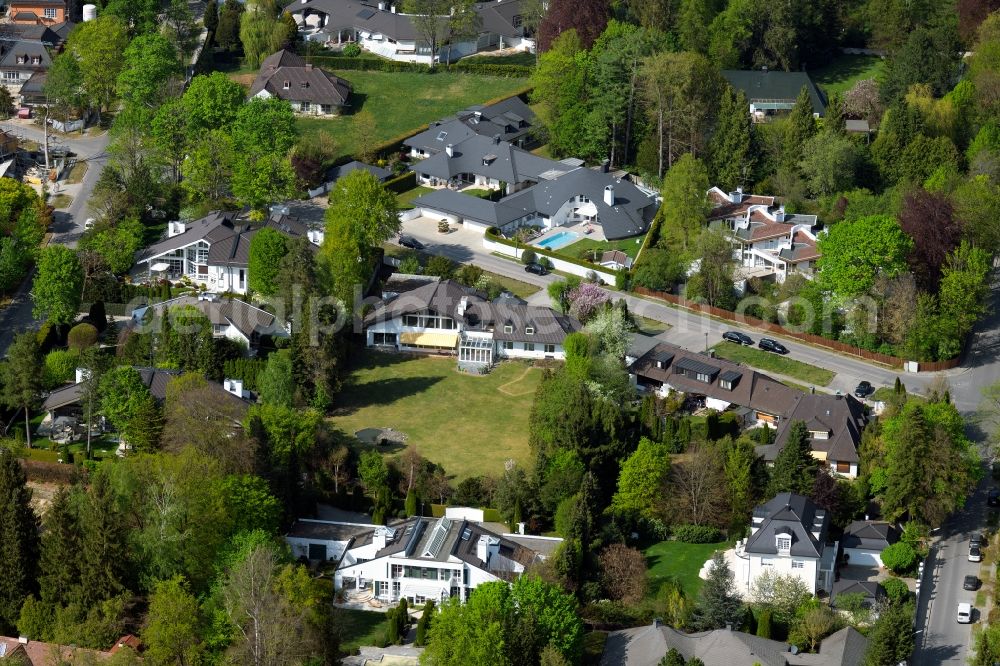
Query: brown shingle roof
pixel 305 83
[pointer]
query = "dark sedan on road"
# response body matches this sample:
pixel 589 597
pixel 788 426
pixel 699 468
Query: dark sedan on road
pixel 993 499
pixel 411 243
pixel 863 390
pixel 767 344
pixel 737 337
pixel 970 583
pixel 537 269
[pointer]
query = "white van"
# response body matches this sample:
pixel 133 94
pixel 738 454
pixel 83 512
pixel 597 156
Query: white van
pixel 964 613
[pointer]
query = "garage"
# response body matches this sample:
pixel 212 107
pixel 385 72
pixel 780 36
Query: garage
pixel 864 541
pixel 860 557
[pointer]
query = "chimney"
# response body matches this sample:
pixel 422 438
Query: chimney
pixel 462 305
pixel 520 528
pixel 82 375
pixel 729 626
pixel 496 139
pixel 23 640
pixel 779 215
pixel 450 150
pixel 656 622
pixel 309 66
pixel 737 196
pixel 609 195
pixel 176 228
pixel 483 549
pixel 812 390
pixel 381 6
pixel 379 538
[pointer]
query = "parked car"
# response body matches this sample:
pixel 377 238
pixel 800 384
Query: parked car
pixel 863 390
pixel 537 269
pixel 411 243
pixel 737 337
pixel 767 344
pixel 971 583
pixel 993 499
pixel 89 224
pixel 976 540
pixel 975 554
pixel 964 613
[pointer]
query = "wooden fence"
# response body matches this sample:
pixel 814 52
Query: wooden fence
pixel 819 341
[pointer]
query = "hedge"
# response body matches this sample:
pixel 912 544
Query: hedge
pixel 493 235
pixel 369 64
pixel 491 69
pixel 899 557
pixel 696 534
pixel 402 183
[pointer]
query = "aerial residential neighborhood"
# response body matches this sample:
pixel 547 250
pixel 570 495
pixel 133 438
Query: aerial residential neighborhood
pixel 499 332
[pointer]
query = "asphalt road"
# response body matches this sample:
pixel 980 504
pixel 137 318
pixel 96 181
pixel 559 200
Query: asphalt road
pixel 67 225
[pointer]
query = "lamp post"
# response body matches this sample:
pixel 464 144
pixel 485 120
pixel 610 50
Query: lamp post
pixel 706 342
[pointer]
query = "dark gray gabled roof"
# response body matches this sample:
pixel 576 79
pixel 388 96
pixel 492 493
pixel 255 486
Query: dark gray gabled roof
pixel 305 83
pixel 248 319
pixel 469 207
pixel 842 416
pixel 767 86
pixel 548 326
pixel 336 173
pixel 794 514
pixel 485 156
pixel 870 535
pixel 20 54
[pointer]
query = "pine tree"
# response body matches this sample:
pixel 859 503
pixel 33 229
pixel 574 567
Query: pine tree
pixel 104 549
pixel 731 148
pixel 801 127
pixel 18 540
pixel 211 16
pixel 20 377
pixel 718 604
pixel 795 467
pixel 833 120
pixel 60 569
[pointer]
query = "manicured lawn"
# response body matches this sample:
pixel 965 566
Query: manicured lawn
pixel 405 102
pixel 76 173
pixel 683 561
pixel 358 628
pixel 583 247
pixel 649 326
pixel 516 287
pixel 769 362
pixel 469 424
pixel 405 199
pixel 843 72
pixel 887 393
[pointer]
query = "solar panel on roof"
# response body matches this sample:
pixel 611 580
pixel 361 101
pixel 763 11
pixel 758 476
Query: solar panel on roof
pixel 438 536
pixel 366 13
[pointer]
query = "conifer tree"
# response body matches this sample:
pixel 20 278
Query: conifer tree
pixel 103 550
pixel 731 147
pixel 18 540
pixel 718 604
pixel 801 127
pixel 795 467
pixel 59 568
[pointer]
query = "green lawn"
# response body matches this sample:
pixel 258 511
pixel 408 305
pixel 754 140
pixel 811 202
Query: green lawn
pixel 843 72
pixel 516 287
pixel 770 362
pixel 582 248
pixel 405 102
pixel 469 424
pixel 683 561
pixel 405 199
pixel 357 628
pixel 649 326
pixel 886 393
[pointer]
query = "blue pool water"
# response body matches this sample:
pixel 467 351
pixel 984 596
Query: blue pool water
pixel 558 240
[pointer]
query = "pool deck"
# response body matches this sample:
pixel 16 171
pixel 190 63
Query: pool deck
pixel 579 230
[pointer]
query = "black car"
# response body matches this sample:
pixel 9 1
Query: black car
pixel 537 269
pixel 411 243
pixel 976 540
pixel 767 344
pixel 737 337
pixel 970 583
pixel 863 390
pixel 993 499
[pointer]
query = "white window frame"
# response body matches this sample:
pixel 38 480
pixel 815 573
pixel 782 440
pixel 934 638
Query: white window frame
pixel 529 346
pixel 50 13
pixel 798 564
pixel 784 543
pixel 529 330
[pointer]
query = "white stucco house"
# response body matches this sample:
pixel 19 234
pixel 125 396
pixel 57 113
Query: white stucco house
pixel 212 252
pixel 789 535
pixel 447 317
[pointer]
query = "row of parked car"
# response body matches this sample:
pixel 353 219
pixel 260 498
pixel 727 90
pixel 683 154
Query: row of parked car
pixel 972 583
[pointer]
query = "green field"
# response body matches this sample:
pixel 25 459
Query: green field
pixel 843 72
pixel 469 424
pixel 405 102
pixel 683 561
pixel 357 628
pixel 582 248
pixel 770 362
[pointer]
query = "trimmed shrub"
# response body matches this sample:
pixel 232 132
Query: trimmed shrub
pixel 696 533
pixel 81 337
pixel 411 503
pixel 899 557
pixel 98 316
pixel 764 623
pixel 896 590
pixel 402 183
pixel 528 257
pixel 59 367
pixel 493 69
pixel 352 50
pixel 424 625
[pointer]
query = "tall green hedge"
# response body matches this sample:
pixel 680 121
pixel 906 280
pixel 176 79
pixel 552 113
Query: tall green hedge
pixel 380 65
pixel 493 69
pixel 402 183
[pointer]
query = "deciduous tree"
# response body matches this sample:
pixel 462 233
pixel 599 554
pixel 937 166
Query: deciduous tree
pixel 623 573
pixel 686 188
pixel 587 17
pixel 856 252
pixel 57 287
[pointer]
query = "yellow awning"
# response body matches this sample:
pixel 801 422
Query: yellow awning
pixel 819 455
pixel 439 340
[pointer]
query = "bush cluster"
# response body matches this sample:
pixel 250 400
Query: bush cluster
pixel 696 533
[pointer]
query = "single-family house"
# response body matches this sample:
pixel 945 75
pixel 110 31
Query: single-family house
pixel 647 645
pixel 427 558
pixel 790 535
pixel 766 239
pixel 214 251
pixel 835 424
pixel 511 119
pixel 310 90
pixel 231 318
pixel 666 368
pixel 447 317
pixel 773 92
pixel 864 541
pixel 381 27
pixel 324 540
pixel 36 12
pixel 870 590
pixel 21 62
pixel 335 173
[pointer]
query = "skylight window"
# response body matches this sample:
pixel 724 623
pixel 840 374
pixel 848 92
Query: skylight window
pixel 441 136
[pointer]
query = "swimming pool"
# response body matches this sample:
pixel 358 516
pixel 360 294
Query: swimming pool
pixel 556 241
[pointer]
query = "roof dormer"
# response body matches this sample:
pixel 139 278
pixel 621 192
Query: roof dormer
pixel 783 540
